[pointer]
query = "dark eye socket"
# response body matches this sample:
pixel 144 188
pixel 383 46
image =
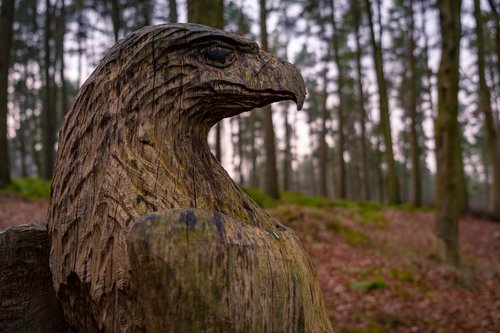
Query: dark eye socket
pixel 219 57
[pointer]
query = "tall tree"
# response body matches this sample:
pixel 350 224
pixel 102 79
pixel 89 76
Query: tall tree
pixel 492 142
pixel 495 8
pixel 447 131
pixel 322 133
pixel 393 195
pixel 49 109
pixel 340 117
pixel 416 184
pixel 6 22
pixel 211 13
pixel 271 176
pixel 172 11
pixel 365 182
pixel 116 18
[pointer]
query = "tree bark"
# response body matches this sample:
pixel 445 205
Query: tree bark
pixel 492 141
pixel 447 132
pixel 271 185
pixel 254 176
pixel 115 18
pixel 211 13
pixel 496 16
pixel 393 193
pixel 6 22
pixel 61 35
pixel 172 11
pixel 49 112
pixel 322 135
pixel 342 192
pixel 365 181
pixel 416 186
pixel 29 303
pixel 287 154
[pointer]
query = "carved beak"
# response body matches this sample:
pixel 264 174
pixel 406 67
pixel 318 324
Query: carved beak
pixel 280 79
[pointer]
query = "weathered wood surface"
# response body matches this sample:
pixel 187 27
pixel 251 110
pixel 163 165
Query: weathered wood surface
pixel 201 271
pixel 28 302
pixel 135 143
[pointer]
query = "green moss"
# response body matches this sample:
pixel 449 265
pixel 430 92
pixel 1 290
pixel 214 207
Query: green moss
pixel 410 208
pixel 368 285
pixel 29 188
pixel 260 198
pixel 352 237
pixel 401 275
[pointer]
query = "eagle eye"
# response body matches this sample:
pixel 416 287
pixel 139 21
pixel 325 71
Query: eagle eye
pixel 219 57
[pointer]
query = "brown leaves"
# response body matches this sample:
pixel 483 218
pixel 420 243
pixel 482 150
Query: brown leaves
pixel 397 283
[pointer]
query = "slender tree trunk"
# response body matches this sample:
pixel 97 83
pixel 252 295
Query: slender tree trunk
pixel 116 18
pixel 393 195
pixel 322 136
pixel 254 177
pixel 365 181
pixel 340 118
pixel 496 17
pixel 287 160
pixel 416 186
pixel 146 12
pixel 211 13
pixel 492 142
pixel 380 174
pixel 6 22
pixel 172 11
pixel 240 149
pixel 447 132
pixel 49 114
pixel 271 185
pixel 21 135
pixel 62 32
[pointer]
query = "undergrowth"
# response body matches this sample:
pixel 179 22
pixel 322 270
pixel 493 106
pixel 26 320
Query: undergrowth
pixel 28 188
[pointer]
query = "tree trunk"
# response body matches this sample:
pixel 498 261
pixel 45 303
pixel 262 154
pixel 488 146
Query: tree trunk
pixel 287 159
pixel 29 303
pixel 172 11
pixel 146 12
pixel 447 132
pixel 416 184
pixel 365 181
pixel 254 176
pixel 342 193
pixel 211 13
pixel 496 16
pixel 271 185
pixel 492 142
pixel 61 36
pixel 6 22
pixel 393 195
pixel 322 136
pixel 49 112
pixel 116 18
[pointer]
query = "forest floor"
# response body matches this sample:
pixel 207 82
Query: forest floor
pixel 378 266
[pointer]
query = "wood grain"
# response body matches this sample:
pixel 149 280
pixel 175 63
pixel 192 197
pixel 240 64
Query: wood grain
pixel 27 301
pixel 135 143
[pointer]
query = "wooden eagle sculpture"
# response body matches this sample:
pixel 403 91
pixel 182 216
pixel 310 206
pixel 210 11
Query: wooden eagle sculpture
pixel 148 231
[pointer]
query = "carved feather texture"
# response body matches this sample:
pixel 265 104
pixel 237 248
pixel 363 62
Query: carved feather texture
pixel 135 143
